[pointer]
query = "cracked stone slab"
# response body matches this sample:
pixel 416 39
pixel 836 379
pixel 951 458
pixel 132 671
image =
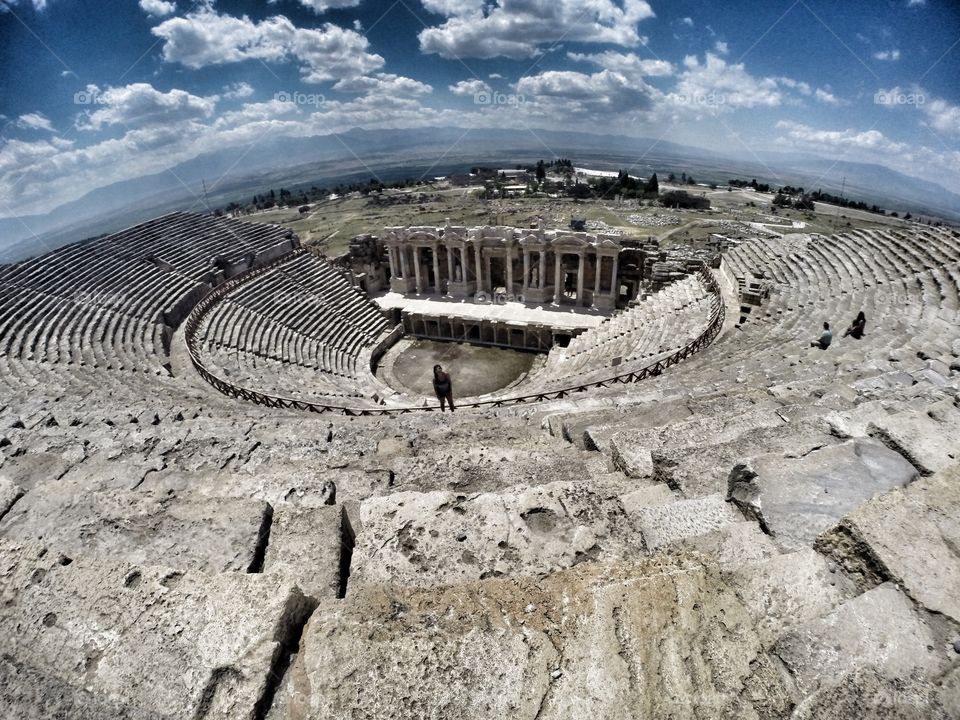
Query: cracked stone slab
pixel 442 537
pixel 909 535
pixel 798 498
pixel 9 494
pixel 878 629
pixel 208 534
pixel 784 590
pixel 930 444
pixel 659 638
pixel 662 525
pixel 306 544
pixel 181 645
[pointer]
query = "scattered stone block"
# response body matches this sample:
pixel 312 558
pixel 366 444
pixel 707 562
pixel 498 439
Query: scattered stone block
pixel 878 629
pixel 665 524
pixel 436 538
pixel 910 536
pixel 796 499
pixel 209 534
pixel 309 545
pixel 930 445
pixel 657 638
pixel 181 645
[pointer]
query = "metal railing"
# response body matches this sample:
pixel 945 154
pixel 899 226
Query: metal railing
pixel 194 320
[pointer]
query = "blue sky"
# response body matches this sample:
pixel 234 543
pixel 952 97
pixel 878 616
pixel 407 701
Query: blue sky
pixel 96 92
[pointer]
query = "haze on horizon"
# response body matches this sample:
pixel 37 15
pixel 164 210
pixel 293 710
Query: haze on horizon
pixel 93 94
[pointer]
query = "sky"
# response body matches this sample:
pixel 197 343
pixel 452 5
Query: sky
pixel 92 93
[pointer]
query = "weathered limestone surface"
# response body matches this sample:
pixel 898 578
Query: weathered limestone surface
pixel 930 443
pixel 9 494
pixel 798 498
pixel 878 629
pixel 784 590
pixel 208 534
pixel 185 644
pixel 659 638
pixel 665 524
pixel 442 537
pixel 909 535
pixel 307 544
pixel 733 546
pixel 868 695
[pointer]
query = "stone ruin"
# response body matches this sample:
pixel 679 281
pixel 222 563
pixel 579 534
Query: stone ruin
pixel 758 529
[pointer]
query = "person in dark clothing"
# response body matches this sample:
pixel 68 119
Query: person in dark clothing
pixel 826 337
pixel 443 387
pixel 856 327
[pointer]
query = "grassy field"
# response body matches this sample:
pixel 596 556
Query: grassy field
pixel 330 224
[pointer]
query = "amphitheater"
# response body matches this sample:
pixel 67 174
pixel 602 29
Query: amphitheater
pixel 211 507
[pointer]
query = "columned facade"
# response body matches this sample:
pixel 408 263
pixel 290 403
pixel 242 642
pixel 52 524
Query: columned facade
pixel 505 264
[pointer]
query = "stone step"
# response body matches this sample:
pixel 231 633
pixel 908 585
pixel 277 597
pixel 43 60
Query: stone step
pixel 929 440
pixel 909 536
pixel 663 525
pixel 879 629
pixel 662 637
pixel 169 643
pixel 797 498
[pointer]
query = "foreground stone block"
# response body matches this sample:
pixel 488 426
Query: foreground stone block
pixel 180 645
pixel 310 545
pixel 788 589
pixel 878 629
pixel 662 525
pixel 867 695
pixel 929 444
pixel 659 638
pixel 9 494
pixel 910 536
pixel 433 538
pixel 209 534
pixel 796 499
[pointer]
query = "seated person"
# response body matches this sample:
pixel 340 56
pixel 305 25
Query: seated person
pixel 826 337
pixel 856 327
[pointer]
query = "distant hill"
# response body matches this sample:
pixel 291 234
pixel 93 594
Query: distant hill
pixel 235 174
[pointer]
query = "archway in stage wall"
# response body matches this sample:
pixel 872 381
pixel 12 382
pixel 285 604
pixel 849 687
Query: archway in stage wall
pixel 498 274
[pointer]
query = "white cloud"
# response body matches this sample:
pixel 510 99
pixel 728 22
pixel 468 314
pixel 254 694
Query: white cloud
pixel 495 76
pixel 872 146
pixel 574 93
pixel 716 86
pixel 384 84
pixel 887 55
pixel 688 21
pixel 721 47
pixel 237 90
pixel 140 105
pixel 916 3
pixel 34 121
pixel 470 88
pixel 827 98
pixel 321 6
pixel 157 8
pixel 942 115
pixel 522 29
pixel 626 63
pixel 798 85
pixel 207 38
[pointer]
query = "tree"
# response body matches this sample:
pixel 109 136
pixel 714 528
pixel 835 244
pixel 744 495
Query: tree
pixel 781 200
pixel 652 186
pixel 541 171
pixel 671 178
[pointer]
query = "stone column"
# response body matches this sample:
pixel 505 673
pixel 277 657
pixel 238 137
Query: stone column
pixel 487 275
pixel 581 258
pixel 393 267
pixel 450 274
pixel 526 269
pixel 596 276
pixel 614 285
pixel 557 281
pixel 542 269
pixel 403 261
pixel 478 268
pixel 509 262
pixel 416 268
pixel 437 285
